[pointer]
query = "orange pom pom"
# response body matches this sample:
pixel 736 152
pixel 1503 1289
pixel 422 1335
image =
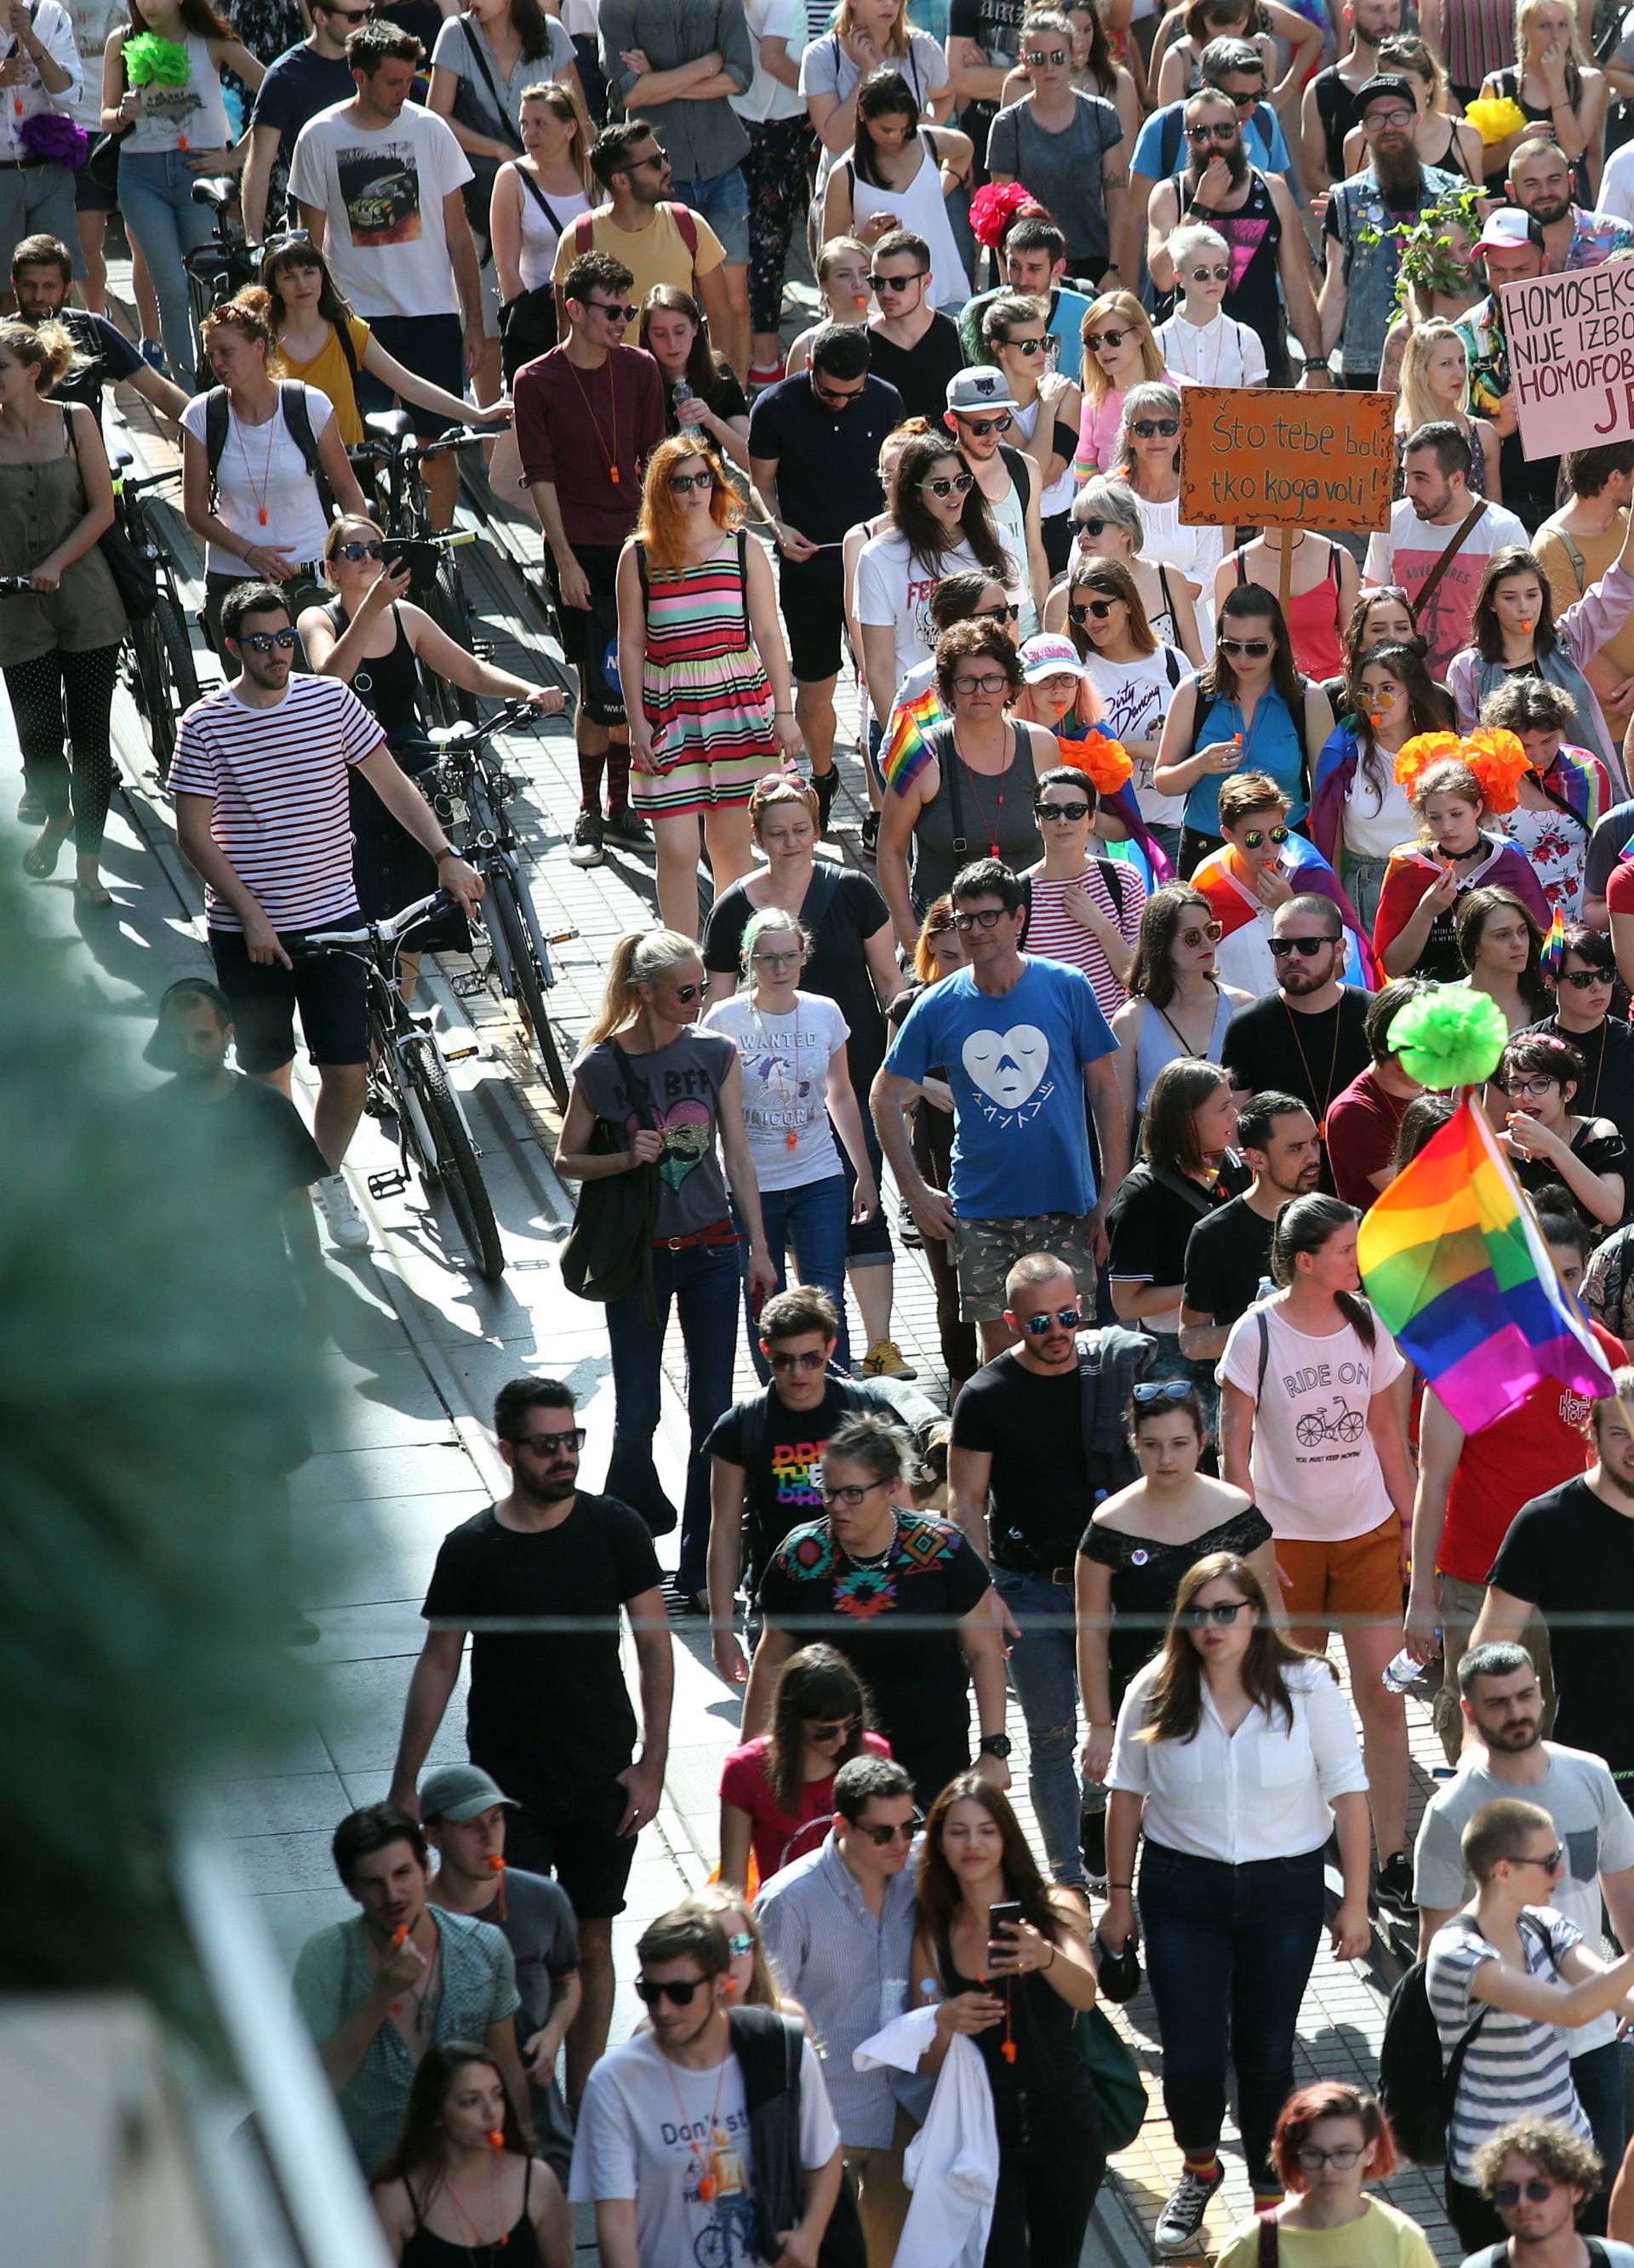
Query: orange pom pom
pixel 1106 762
pixel 1416 756
pixel 1500 763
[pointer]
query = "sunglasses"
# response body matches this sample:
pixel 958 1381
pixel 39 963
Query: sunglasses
pixel 1147 429
pixel 983 425
pixel 1066 1318
pixel 1098 608
pixel 881 1835
pixel 645 164
pixel 960 485
pixel 837 398
pixel 850 1497
pixel 550 1445
pixel 1222 1612
pixel 1005 614
pixel 1306 948
pixel 1536 2192
pixel 1256 649
pixel 1025 346
pixel 681 1990
pixel 1113 340
pixel 1068 811
pixel 989 684
pixel 1552 1862
pixel 839 1728
pixel 987 918
pixel 1203 274
pixel 1088 529
pixel 1255 839
pixel 1210 933
pixel 1249 101
pixel 686 992
pixel 1043 56
pixel 680 482
pixel 1584 980
pixel 814 1360
pixel 739 1943
pixel 356 551
pixel 612 310
pixel 1160 1389
pixel 897 282
pixel 1221 133
pixel 262 642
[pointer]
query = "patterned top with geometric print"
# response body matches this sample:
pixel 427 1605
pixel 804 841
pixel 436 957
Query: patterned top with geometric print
pixel 677 1089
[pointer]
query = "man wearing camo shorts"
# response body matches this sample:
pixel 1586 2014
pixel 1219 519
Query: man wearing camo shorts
pixel 1024 1042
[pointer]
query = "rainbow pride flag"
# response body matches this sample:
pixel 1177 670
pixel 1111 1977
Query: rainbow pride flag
pixel 905 754
pixel 1452 1261
pixel 1554 950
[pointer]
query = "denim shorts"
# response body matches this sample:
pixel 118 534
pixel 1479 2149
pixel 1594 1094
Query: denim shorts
pixel 723 201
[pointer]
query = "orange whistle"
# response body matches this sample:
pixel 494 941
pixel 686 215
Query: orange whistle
pixel 399 1934
pixel 495 2135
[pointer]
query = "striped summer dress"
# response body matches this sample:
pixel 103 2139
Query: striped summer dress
pixel 703 690
pixel 1515 2067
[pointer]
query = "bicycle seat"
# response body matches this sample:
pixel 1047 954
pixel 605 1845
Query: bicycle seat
pixel 451 736
pixel 393 427
pixel 214 189
pixel 120 458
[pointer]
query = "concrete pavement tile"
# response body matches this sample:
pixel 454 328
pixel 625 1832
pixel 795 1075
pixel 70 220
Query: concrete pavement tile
pixel 363 1710
pixel 390 1546
pixel 306 1802
pixel 291 1916
pixel 352 1472
pixel 363 1633
pixel 271 1864
pixel 382 1401
pixel 692 1781
pixel 365 1787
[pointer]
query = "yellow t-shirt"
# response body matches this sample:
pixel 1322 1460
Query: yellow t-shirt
pixel 1597 553
pixel 658 254
pixel 1382 2238
pixel 327 371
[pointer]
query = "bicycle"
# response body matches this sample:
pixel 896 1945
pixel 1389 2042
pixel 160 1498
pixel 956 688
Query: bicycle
pixel 157 662
pixel 391 460
pixel 407 1082
pixel 470 792
pixel 215 270
pixel 1314 1429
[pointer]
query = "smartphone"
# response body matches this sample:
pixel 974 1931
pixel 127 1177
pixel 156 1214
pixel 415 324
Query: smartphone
pixel 417 554
pixel 1007 1909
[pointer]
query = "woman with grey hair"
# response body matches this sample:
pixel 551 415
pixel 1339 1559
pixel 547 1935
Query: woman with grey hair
pixel 1148 459
pixel 1109 521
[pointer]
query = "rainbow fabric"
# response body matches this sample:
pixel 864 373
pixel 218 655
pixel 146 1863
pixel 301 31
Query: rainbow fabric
pixel 1554 950
pixel 1304 867
pixel 1452 1261
pixel 905 754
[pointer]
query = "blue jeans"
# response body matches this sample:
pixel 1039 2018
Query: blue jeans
pixel 723 201
pixel 1598 2079
pixel 1229 1952
pixel 811 1219
pixel 702 1281
pixel 1043 1669
pixel 156 196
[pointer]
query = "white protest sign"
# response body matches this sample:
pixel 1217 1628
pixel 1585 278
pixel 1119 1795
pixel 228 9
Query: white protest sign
pixel 1572 357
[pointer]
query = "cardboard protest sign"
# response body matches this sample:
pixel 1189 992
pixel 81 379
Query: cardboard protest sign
pixel 1572 357
pixel 1260 456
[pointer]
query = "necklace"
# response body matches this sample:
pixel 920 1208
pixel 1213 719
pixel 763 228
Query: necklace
pixel 488 2244
pixel 709 2177
pixel 792 1138
pixel 874 1559
pixel 1321 1106
pixel 260 494
pixel 1577 1039
pixel 611 454
pixel 975 793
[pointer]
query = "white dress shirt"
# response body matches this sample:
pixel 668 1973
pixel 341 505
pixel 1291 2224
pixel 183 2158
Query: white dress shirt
pixel 1265 1791
pixel 952 2164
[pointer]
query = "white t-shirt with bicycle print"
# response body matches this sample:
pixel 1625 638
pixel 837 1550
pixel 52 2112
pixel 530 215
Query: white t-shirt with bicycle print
pixel 1315 1472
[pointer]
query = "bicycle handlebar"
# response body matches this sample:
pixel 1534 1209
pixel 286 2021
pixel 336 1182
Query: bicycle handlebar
pixel 381 933
pixel 365 451
pixel 14 586
pixel 464 738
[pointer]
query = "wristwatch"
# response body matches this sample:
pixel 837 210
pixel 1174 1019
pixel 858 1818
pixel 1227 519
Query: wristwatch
pixel 995 1744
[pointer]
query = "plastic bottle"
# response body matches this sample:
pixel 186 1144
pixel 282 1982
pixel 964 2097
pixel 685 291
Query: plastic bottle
pixel 1402 1673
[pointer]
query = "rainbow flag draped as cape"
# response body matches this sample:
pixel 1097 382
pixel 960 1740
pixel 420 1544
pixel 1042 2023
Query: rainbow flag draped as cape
pixel 1304 867
pixel 1454 1261
pixel 905 754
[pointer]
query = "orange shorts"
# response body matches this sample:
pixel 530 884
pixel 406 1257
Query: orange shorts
pixel 1361 1576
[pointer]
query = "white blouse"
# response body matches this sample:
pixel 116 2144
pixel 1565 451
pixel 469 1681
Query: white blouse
pixel 1263 1792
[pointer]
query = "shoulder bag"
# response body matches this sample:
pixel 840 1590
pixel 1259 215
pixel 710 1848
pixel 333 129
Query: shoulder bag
pixel 1120 2090
pixel 527 324
pixel 478 116
pixel 608 1252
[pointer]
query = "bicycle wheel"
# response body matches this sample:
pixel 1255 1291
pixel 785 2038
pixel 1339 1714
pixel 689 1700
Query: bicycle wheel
pixel 147 687
pixel 527 975
pixel 453 613
pixel 458 1169
pixel 182 691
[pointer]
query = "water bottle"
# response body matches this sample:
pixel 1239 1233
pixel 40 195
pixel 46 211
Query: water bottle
pixel 1402 1673
pixel 682 393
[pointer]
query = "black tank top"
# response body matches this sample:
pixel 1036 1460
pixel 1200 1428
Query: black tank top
pixel 389 686
pixel 1046 2092
pixel 1254 233
pixel 518 2250
pixel 1508 83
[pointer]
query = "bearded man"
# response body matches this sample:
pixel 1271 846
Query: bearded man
pixel 1367 217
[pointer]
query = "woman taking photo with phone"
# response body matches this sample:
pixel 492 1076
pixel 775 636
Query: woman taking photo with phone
pixel 1235 1757
pixel 1006 1952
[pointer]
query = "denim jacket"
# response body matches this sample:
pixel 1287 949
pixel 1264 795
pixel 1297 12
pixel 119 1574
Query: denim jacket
pixel 1358 209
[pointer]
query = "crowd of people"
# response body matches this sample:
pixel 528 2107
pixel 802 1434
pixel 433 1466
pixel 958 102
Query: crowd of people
pixel 1167 822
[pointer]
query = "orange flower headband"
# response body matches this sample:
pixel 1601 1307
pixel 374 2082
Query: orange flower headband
pixel 1107 763
pixel 1497 759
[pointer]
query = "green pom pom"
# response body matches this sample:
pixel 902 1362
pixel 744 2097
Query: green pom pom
pixel 153 61
pixel 1451 1037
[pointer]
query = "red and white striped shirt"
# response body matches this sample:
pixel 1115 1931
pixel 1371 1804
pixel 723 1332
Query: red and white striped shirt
pixel 1052 931
pixel 277 783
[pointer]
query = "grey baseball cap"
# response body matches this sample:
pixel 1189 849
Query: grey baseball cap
pixel 459 1791
pixel 972 391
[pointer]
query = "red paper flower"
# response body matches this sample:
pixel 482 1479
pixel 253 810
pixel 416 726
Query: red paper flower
pixel 992 210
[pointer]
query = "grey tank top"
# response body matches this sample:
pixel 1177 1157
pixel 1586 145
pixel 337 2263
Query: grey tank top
pixel 1160 1043
pixel 970 813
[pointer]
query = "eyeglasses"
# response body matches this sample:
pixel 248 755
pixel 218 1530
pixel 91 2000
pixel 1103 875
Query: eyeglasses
pixel 1312 2161
pixel 897 282
pixel 1222 133
pixel 1376 119
pixel 1111 340
pixel 1306 948
pixel 1098 608
pixel 1552 1862
pixel 850 1497
pixel 1223 1612
pixel 1583 980
pixel 980 426
pixel 262 642
pixel 986 683
pixel 681 1990
pixel 1005 614
pixel 550 1445
pixel 960 484
pixel 1088 529
pixel 1160 1389
pixel 1203 274
pixel 1210 933
pixel 837 1728
pixel 1024 346
pixel 1069 812
pixel 612 310
pixel 644 165
pixel 680 482
pixel 881 1835
pixel 780 960
pixel 1066 1319
pixel 814 1360
pixel 739 1943
pixel 1536 2192
pixel 1529 1090
pixel 1256 649
pixel 835 399
pixel 1147 429
pixel 1043 56
pixel 686 992
pixel 984 917
pixel 357 551
pixel 1255 839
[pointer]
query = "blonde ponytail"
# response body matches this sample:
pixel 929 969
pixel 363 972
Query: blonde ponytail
pixel 640 957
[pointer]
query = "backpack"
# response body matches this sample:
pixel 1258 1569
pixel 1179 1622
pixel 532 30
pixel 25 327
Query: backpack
pixel 298 423
pixel 768 2045
pixel 1418 2082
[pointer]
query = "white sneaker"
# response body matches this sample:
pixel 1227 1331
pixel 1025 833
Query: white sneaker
pixel 346 1225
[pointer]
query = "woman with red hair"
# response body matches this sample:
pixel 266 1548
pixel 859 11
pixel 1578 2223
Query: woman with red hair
pixel 1330 2141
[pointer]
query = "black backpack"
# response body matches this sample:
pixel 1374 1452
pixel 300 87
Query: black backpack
pixel 768 2045
pixel 291 408
pixel 1418 2083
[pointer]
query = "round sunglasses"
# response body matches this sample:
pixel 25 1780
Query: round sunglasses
pixel 1111 340
pixel 1203 275
pixel 1256 649
pixel 1149 429
pixel 1255 839
pixel 1222 1612
pixel 1099 608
